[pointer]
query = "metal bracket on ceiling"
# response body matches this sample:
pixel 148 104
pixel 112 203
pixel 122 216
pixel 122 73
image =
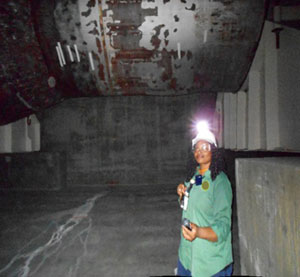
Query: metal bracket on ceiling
pixel 277 33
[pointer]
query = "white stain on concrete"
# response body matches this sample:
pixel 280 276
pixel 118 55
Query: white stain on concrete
pixel 28 263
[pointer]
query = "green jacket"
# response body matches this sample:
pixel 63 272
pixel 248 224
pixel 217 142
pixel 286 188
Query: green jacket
pixel 209 206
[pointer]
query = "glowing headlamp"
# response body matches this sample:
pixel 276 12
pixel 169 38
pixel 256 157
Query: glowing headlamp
pixel 204 134
pixel 202 126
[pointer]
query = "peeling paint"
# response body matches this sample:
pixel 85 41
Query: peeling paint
pixel 155 41
pixel 91 3
pixel 87 13
pixel 134 44
pixel 192 8
pixel 166 33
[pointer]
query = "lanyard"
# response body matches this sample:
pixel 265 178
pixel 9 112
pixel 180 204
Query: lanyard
pixel 197 180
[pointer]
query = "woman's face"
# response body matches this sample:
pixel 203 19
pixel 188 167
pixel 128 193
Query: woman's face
pixel 202 153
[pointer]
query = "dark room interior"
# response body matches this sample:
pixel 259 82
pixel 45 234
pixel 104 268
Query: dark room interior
pixel 99 103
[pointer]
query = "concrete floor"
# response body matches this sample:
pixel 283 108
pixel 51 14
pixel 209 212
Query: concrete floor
pixel 125 231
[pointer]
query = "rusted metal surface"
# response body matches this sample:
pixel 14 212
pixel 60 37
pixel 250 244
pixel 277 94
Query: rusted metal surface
pixel 23 73
pixel 132 47
pixel 162 47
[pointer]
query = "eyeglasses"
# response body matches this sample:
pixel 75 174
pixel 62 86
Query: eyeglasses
pixel 205 147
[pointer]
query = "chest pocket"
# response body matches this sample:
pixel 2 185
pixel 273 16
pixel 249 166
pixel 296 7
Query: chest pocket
pixel 201 201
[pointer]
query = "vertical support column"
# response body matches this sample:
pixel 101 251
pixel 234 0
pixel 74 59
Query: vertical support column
pixel 227 122
pixel 28 142
pixel 256 101
pixel 256 116
pixel 20 137
pixel 242 112
pixel 288 88
pixel 230 120
pixel 272 99
pixel 20 140
pixel 218 124
pixel 34 133
pixel 5 138
pixel 271 88
pixel 233 120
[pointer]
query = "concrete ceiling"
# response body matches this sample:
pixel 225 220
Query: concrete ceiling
pixel 52 50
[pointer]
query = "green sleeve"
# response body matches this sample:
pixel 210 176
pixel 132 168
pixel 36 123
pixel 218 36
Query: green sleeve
pixel 222 208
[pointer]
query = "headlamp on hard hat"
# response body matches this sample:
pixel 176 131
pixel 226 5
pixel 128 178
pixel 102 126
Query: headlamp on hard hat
pixel 204 134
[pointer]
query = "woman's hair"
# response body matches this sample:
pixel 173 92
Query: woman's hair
pixel 217 162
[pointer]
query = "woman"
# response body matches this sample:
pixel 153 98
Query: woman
pixel 206 249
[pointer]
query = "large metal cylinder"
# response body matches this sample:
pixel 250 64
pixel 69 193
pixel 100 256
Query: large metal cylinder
pixel 129 47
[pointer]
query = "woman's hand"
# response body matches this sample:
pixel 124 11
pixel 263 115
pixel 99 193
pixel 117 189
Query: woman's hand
pixel 199 232
pixel 190 235
pixel 180 190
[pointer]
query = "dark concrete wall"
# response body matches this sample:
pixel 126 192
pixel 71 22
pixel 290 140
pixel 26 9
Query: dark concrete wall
pixel 32 171
pixel 124 140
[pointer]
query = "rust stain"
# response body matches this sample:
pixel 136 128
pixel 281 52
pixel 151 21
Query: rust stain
pixel 124 36
pixel 134 54
pixel 166 63
pixel 104 46
pixel 99 45
pixel 123 29
pixel 173 84
pixel 189 55
pixel 101 72
pixel 131 86
pixel 155 41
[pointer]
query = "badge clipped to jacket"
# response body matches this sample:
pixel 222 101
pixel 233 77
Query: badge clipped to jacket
pixel 199 180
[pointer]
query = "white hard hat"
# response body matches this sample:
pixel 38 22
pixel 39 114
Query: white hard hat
pixel 206 135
